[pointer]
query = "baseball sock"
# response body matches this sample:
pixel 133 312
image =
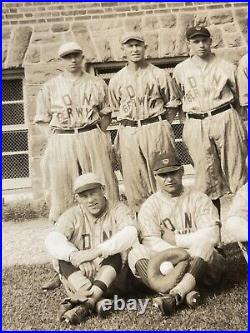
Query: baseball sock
pixel 142 268
pixel 187 284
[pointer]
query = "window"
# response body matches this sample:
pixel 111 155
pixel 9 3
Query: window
pixel 15 146
pixel 106 71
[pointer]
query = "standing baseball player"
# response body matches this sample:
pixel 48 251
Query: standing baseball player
pixel 143 97
pixel 90 241
pixel 72 108
pixel 242 80
pixel 213 131
pixel 179 232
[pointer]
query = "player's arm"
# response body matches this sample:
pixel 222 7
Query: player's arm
pixel 104 109
pixel 58 242
pixel 113 95
pixel 43 115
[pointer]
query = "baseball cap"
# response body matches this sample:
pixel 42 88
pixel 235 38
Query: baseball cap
pixel 85 182
pixel 166 163
pixel 68 48
pixel 197 31
pixel 132 35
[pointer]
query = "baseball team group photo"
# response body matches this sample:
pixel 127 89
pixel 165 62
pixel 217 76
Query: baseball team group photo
pixel 125 166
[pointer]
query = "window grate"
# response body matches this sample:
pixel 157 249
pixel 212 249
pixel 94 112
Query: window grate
pixel 12 90
pixel 12 114
pixel 15 166
pixel 15 141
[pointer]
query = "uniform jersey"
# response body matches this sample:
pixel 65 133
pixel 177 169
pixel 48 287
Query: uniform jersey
pixel 66 103
pixel 239 206
pixel 242 79
pixel 207 88
pixel 141 94
pixel 184 214
pixel 85 231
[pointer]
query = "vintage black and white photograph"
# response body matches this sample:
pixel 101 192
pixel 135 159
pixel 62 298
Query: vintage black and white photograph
pixel 124 166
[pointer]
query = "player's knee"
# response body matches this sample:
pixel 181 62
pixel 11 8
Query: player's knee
pixel 114 261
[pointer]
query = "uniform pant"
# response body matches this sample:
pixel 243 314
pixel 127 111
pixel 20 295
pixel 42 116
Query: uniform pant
pixel 138 147
pixel 218 148
pixel 69 155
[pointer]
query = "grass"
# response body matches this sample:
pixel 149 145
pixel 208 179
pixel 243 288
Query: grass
pixel 26 307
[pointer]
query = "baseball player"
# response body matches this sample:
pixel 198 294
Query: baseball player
pixel 144 99
pixel 178 227
pixel 90 241
pixel 72 108
pixel 213 131
pixel 242 80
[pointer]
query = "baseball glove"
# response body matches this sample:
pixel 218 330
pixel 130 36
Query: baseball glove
pixel 164 283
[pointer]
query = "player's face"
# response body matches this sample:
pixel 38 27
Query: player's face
pixel 200 46
pixel 134 50
pixel 93 200
pixel 171 182
pixel 73 62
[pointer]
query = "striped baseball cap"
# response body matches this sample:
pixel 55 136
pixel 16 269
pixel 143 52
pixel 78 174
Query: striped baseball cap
pixel 87 181
pixel 68 48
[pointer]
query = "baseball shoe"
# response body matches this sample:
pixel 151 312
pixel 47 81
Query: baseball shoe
pixel 65 306
pixel 78 314
pixel 101 307
pixel 193 299
pixel 52 284
pixel 167 304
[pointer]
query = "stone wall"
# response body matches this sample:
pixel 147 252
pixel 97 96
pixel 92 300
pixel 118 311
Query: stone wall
pixel 32 33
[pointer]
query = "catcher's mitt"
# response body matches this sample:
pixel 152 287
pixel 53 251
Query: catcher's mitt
pixel 164 283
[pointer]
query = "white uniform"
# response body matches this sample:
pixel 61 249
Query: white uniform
pixel 218 143
pixel 242 80
pixel 192 217
pixel 67 105
pixel 138 96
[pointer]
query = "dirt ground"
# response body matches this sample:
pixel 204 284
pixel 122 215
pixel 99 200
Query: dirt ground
pixel 23 242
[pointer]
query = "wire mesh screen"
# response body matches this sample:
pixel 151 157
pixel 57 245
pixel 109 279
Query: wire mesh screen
pixel 15 166
pixel 12 90
pixel 12 114
pixel 15 154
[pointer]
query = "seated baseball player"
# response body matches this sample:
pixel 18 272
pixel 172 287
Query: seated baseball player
pixel 90 241
pixel 179 232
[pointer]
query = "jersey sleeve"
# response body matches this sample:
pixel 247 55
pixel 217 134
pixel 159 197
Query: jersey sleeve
pixel 168 90
pixel 66 223
pixel 206 214
pixel 239 206
pixel 242 81
pixel 103 98
pixel 123 216
pixel 113 93
pixel 232 72
pixel 149 224
pixel 43 114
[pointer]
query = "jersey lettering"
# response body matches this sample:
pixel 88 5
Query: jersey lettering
pixel 188 221
pixel 86 241
pixel 192 82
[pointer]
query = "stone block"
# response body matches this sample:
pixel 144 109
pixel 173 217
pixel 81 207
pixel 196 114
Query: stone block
pixel 82 36
pixel 167 21
pixel 38 145
pixel 49 52
pixel 4 52
pixel 233 40
pixel 152 40
pixel 184 21
pixel 19 41
pixel 243 24
pixel 39 73
pixel 103 49
pixel 42 27
pixel 103 25
pixel 115 45
pixel 202 20
pixel 229 27
pixel 217 39
pixel 60 27
pixel 221 17
pixel 231 54
pixel 167 42
pixel 132 24
pixel 6 31
pixel 45 38
pixel 150 22
pixel 33 54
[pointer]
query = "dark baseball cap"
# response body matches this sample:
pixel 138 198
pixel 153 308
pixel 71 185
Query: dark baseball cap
pixel 166 163
pixel 197 31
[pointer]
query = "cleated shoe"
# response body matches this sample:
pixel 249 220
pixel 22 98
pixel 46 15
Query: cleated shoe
pixel 193 299
pixel 167 304
pixel 52 284
pixel 103 307
pixel 65 306
pixel 78 314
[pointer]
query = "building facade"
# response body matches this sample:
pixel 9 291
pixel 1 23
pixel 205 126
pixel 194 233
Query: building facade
pixel 33 31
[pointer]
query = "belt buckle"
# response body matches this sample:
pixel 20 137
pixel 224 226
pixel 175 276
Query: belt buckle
pixel 209 113
pixel 160 118
pixel 76 131
pixel 139 123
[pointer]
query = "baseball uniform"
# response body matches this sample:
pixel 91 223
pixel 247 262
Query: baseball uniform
pixel 141 99
pixel 242 80
pixel 73 109
pixel 213 131
pixel 113 232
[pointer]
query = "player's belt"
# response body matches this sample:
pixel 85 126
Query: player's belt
pixel 211 113
pixel 73 130
pixel 137 123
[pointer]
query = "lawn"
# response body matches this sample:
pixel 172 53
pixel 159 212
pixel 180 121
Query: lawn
pixel 27 307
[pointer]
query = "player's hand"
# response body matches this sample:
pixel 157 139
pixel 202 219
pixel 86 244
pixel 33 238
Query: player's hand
pixel 169 236
pixel 104 122
pixel 79 257
pixel 88 269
